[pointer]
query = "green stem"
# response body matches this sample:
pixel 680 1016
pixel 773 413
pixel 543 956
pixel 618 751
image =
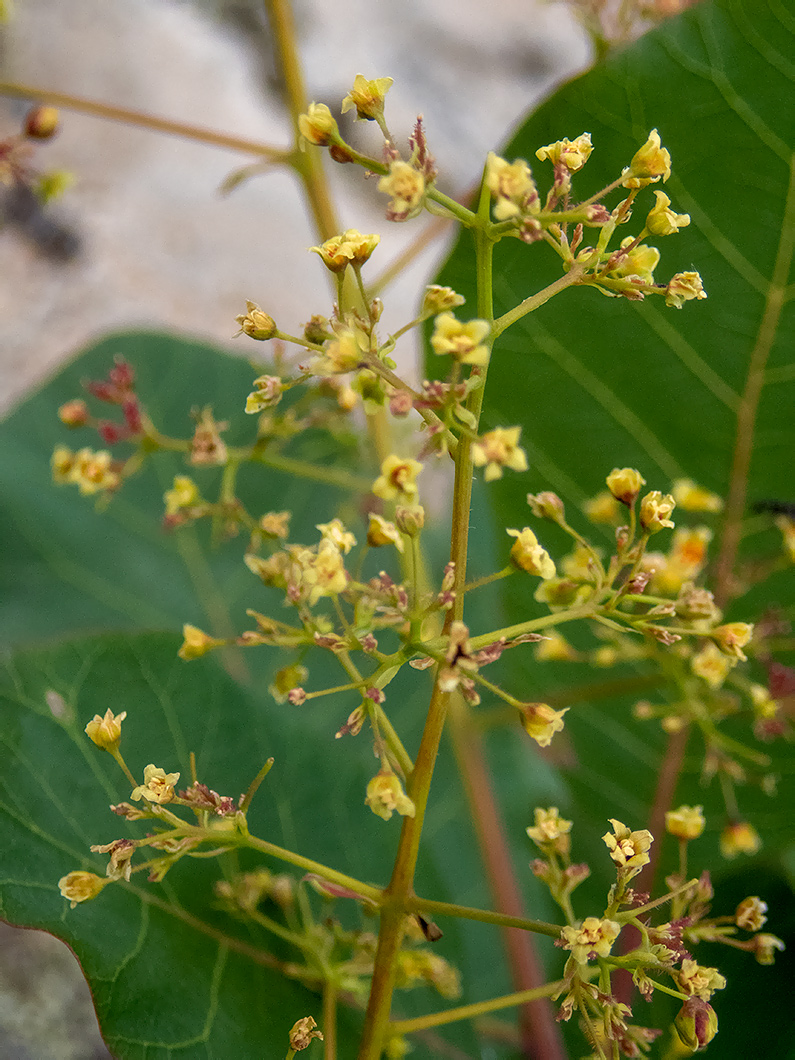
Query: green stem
pixel 366 890
pixel 574 276
pixel 479 1008
pixel 485 916
pixel 329 1020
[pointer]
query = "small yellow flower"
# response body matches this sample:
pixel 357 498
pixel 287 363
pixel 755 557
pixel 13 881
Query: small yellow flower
pixel 498 449
pixel 711 665
pixel 276 524
pixel 750 914
pixel 336 533
pixel 654 511
pixel 385 795
pixel 344 353
pixel 80 886
pixel 765 947
pixel 662 221
pixel 406 186
pixel 120 863
pixel 649 163
pixel 550 829
pixel 698 981
pixel 318 125
pixel 90 471
pixel 382 532
pixel 686 822
pixel 183 494
pixel 351 248
pixel 640 261
pixel 196 643
pixel 541 722
pixel 528 555
pixel 732 638
pixel 512 185
pixel 629 850
pixel 602 509
pixel 106 732
pixel 302 1033
pixel 269 390
pixel 739 838
pixel 555 648
pixel 573 154
pixel 593 938
pixel 158 786
pixel 256 323
pixel 398 478
pixel 367 97
pixel 685 560
pixel 321 573
pixel 625 483
pixel 464 341
pixel 437 299
pixel 684 287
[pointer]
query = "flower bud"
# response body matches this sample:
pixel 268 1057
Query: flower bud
pixel 41 123
pixel 624 483
pixel 541 722
pixel 410 520
pixel 106 732
pixel 196 643
pixel 765 947
pixel 740 837
pixel 385 795
pixel 750 914
pixel 649 163
pixel 438 299
pixel 256 323
pixel 696 1024
pixel 528 555
pixel 318 126
pixel 685 823
pixel 73 413
pixel 367 97
pixel 662 221
pixel 547 506
pixel 732 638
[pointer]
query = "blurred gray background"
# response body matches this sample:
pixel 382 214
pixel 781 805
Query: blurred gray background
pixel 145 239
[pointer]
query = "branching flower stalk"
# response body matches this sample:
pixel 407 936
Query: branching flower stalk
pixel 641 605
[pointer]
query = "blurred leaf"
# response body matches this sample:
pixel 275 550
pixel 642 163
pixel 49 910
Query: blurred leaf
pixel 67 566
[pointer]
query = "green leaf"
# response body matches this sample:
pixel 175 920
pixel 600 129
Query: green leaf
pixel 705 392
pixel 66 566
pixel 171 974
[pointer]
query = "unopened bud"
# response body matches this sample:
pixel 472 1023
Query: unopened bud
pixel 696 1024
pixel 547 506
pixel 410 520
pixel 73 413
pixel 41 123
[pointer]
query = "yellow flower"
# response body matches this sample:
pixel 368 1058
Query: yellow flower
pixel 541 722
pixel 90 471
pixel 344 353
pixel 196 643
pixel 654 511
pixel 550 829
pixel 183 494
pixel 120 863
pixel 276 524
pixel 464 341
pixel 382 532
pixel 437 299
pixel 336 533
pixel 649 163
pixel 711 665
pixel 740 837
pixel 698 981
pixel 640 261
pixel 528 555
pixel 321 573
pixel 398 478
pixel 80 886
pixel 351 248
pixel 256 323
pixel 512 185
pixel 684 287
pixel 555 648
pixel 685 560
pixel 624 483
pixel 269 390
pixel 629 850
pixel 732 638
pixel 662 221
pixel 750 914
pixel 158 786
pixel 385 795
pixel 406 185
pixel 106 732
pixel 367 97
pixel 593 938
pixel 318 125
pixel 603 508
pixel 573 154
pixel 686 822
pixel 498 449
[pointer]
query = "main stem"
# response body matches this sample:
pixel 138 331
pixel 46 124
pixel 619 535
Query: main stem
pixel 397 895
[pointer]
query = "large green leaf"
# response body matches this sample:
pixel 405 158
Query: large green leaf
pixel 171 974
pixel 597 383
pixel 65 566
